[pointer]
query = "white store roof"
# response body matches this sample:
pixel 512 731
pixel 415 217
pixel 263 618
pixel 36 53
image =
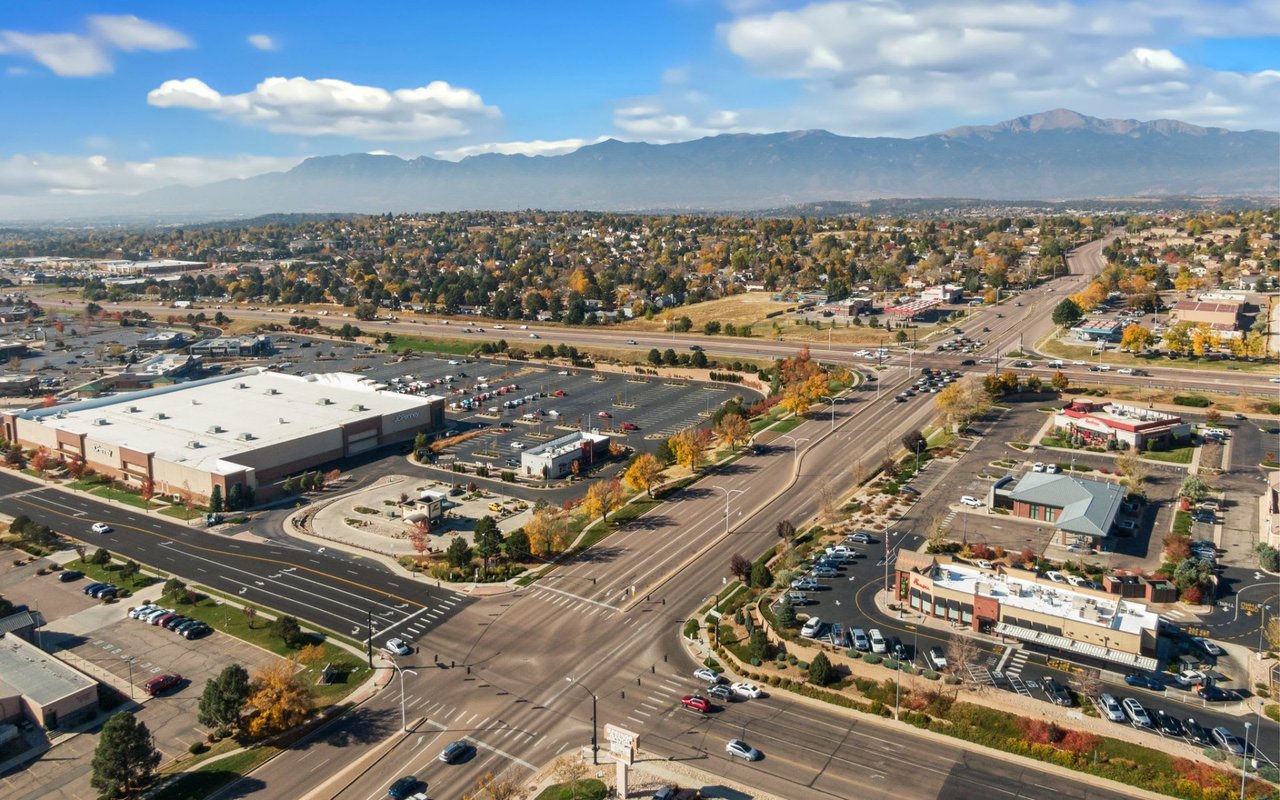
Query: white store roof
pixel 36 675
pixel 206 424
pixel 1116 614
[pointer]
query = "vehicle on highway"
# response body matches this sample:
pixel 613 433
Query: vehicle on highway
pixel 878 644
pixel 100 527
pixel 1206 645
pixel 1196 733
pixel 695 702
pixel 454 751
pixel 811 627
pixel 1227 741
pixel 403 788
pixel 69 575
pixel 604 415
pixel 1110 708
pixel 971 501
pixel 1167 724
pixel 937 659
pixel 737 748
pixel 161 683
pixel 397 647
pixel 968 362
pixel 707 674
pixel 1056 692
pixel 629 426
pixel 1136 713
pixel 534 336
pixel 1144 680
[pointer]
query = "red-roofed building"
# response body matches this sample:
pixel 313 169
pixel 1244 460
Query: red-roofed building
pixel 1125 426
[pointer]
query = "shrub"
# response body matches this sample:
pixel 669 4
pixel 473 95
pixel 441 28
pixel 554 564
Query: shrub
pixel 1192 400
pixel 872 658
pixel 197 748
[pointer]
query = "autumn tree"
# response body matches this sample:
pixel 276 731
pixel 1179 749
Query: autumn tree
pixel 828 505
pixel 1059 382
pixel 602 497
pixel 146 491
pixel 645 471
pixel 962 653
pixel 1131 466
pixel 734 429
pixel 962 402
pixel 40 461
pixel 1136 338
pixel 548 531
pixel 419 536
pixel 686 448
pixel 279 698
pixel 785 531
pixel 499 787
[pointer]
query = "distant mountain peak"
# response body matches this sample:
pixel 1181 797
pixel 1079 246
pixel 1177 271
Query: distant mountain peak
pixel 1064 119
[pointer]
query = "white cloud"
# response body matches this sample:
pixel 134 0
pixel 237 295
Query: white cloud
pixel 262 41
pixel 37 175
pixel 536 147
pixel 327 106
pixel 86 54
pixel 912 66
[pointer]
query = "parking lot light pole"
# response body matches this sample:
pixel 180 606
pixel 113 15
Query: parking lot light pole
pixel 404 722
pixel 1244 759
pixel 595 747
pixel 728 493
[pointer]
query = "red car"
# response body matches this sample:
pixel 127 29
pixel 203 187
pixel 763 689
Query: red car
pixel 604 415
pixel 558 393
pixel 159 684
pixel 629 426
pixel 696 702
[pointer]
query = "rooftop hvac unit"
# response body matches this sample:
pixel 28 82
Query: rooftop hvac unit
pixel 282 420
pixel 242 385
pixel 324 401
pixel 358 407
pixel 100 421
pixel 133 409
pixel 215 429
pixel 245 437
pixel 159 415
pixel 272 391
pixel 193 444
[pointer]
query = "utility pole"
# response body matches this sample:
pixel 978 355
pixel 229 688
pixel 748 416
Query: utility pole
pixel 368 642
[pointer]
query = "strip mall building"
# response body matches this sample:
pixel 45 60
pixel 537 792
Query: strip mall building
pixel 251 428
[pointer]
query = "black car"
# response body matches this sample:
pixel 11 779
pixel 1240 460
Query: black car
pixel 174 622
pixel 197 631
pixel 93 586
pixel 1144 681
pixel 1056 692
pixel 695 347
pixel 403 788
pixel 1167 724
pixel 66 576
pixel 455 751
pixel 968 362
pixel 1215 694
pixel 1195 733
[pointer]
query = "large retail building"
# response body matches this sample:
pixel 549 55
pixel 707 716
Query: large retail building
pixel 250 428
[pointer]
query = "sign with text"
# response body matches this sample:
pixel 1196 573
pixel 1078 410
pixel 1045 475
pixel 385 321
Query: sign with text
pixel 622 743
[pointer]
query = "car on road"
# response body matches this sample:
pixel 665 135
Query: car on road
pixel 736 748
pixel 1196 733
pixel 707 674
pixel 695 347
pixel 1167 724
pixel 695 702
pixel 1227 741
pixel 455 751
pixel 604 415
pixel 161 683
pixel 534 336
pixel 805 584
pixel 1056 692
pixel 631 341
pixel 1136 713
pixel 100 527
pixel 1207 646
pixel 937 659
pixel 397 647
pixel 720 692
pixel 1144 680
pixel 69 575
pixel 403 788
pixel 1110 708
pixel 629 426
pixel 968 362
pixel 971 501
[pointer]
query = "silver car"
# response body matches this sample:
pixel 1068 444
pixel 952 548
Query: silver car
pixel 1110 708
pixel 737 748
pixel 1136 713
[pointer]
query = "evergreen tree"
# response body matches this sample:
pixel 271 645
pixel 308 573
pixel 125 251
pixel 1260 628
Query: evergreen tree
pixel 761 577
pixel 125 758
pixel 459 552
pixel 223 698
pixel 786 614
pixel 235 497
pixel 288 629
pixel 516 545
pixel 820 672
pixel 215 500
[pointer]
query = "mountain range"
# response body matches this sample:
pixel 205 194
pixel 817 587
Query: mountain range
pixel 1053 155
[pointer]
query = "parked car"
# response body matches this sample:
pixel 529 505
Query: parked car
pixel 455 751
pixel 736 748
pixel 1189 677
pixel 878 644
pixel 69 575
pixel 1037 467
pixel 1208 646
pixel 1167 724
pixel 88 589
pixel 822 571
pixel 1110 708
pixel 860 640
pixel 811 627
pixel 805 584
pixel 1144 680
pixel 937 659
pixel 1056 692
pixel 707 674
pixel 1136 713
pixel 862 537
pixel 197 631
pixel 744 689
pixel 1227 741
pixel 161 683
pixel 1196 733
pixel 696 703
pixel 1215 694
pixel 971 501
pixel 137 611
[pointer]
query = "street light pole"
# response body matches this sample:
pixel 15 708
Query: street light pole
pixel 795 446
pixel 1244 759
pixel 728 493
pixel 595 747
pixel 404 722
pixel 833 409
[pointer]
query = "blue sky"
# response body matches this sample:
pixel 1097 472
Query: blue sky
pixel 126 96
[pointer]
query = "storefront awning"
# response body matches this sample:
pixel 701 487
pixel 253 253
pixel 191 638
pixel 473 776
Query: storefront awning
pixel 1064 644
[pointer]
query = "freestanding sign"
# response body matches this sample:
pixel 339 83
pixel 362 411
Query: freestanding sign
pixel 622 748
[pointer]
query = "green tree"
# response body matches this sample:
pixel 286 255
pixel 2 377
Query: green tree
pixel 458 553
pixel 172 588
pixel 289 631
pixel 786 614
pixel 516 546
pixel 761 577
pixel 758 646
pixel 669 357
pixel 820 671
pixel 125 758
pixel 1067 312
pixel 711 328
pixel 698 360
pixel 223 698
pixel 914 441
pixel 235 497
pixel 215 500
pixel 128 570
pixel 488 539
pixel 100 557
pixel 655 356
pixel 289 486
pixel 1193 489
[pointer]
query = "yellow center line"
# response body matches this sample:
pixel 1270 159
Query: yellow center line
pixel 214 551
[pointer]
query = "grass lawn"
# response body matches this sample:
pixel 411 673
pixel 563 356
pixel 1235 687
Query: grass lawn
pixel 210 777
pixel 587 789
pixel 787 425
pixel 454 347
pixel 739 310
pixel 1053 346
pixel 181 512
pixel 1178 455
pixel 1182 523
pixel 109 573
pixel 128 498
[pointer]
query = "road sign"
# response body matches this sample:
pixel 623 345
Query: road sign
pixel 622 743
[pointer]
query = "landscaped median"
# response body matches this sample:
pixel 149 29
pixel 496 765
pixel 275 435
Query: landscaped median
pixel 870 684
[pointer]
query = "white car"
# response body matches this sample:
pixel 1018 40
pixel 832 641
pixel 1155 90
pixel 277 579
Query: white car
pixel 707 674
pixel 563 372
pixel 811 627
pixel 1055 576
pixel 1038 466
pixel 137 613
pixel 517 445
pixel 970 500
pixel 1189 677
pixel 397 647
pixel 101 527
pixel 1274 380
pixel 744 689
pixel 1110 708
pixel 878 644
pixel 1052 469
pixel 1077 363
pixel 1208 646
